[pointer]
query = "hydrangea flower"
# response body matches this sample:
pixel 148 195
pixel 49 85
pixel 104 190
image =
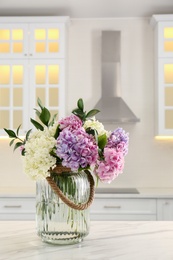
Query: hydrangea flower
pixel 76 149
pixel 71 122
pixel 119 140
pixel 95 124
pixel 112 165
pixel 37 159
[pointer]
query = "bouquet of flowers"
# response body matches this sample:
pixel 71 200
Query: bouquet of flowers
pixel 78 142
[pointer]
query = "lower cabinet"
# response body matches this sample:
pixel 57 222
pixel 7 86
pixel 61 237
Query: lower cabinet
pixel 164 209
pixel 124 209
pixel 17 208
pixel 139 209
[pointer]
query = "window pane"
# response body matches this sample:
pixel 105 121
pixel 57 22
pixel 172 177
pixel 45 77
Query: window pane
pixel 4 119
pixel 4 34
pixel 169 96
pixel 168 46
pixel 17 74
pixel 40 34
pixel 17 97
pixel 17 34
pixel 40 93
pixel 40 47
pixel 53 71
pixel 4 74
pixel 40 74
pixel 4 97
pixel 169 119
pixel 5 47
pixel 53 97
pixel 53 34
pixel 53 47
pixel 168 32
pixel 17 47
pixel 54 112
pixel 168 73
pixel 17 119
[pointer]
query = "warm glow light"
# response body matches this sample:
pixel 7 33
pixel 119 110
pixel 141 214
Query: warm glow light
pixel 53 34
pixel 163 137
pixel 168 32
pixel 168 46
pixel 4 34
pixel 40 74
pixel 168 73
pixel 17 74
pixel 17 34
pixel 4 74
pixel 40 34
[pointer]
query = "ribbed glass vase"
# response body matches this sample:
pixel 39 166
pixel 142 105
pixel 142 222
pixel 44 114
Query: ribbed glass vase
pixel 58 223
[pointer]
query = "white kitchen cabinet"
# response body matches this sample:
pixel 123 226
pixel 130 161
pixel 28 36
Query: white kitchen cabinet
pixel 32 65
pixel 165 209
pixel 163 50
pixel 123 209
pixel 103 208
pixel 17 208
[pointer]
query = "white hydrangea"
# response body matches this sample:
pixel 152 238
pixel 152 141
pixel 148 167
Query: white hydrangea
pixel 95 124
pixel 37 159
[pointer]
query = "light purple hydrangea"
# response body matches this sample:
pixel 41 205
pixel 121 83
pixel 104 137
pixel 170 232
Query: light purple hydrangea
pixel 71 122
pixel 76 148
pixel 119 140
pixel 112 165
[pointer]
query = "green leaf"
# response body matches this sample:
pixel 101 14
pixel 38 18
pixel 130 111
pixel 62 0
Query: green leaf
pixel 17 132
pixel 80 104
pixel 28 133
pixel 37 112
pixel 53 119
pixel 11 143
pixel 36 124
pixel 18 144
pixel 102 141
pixel 57 132
pixel 23 152
pixel 92 132
pixel 45 116
pixel 10 133
pixel 92 112
pixel 40 103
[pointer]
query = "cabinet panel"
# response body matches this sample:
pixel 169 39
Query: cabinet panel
pixel 13 94
pixel 165 39
pixel 13 40
pixel 124 209
pixel 165 209
pixel 17 208
pixel 32 65
pixel 163 44
pixel 47 40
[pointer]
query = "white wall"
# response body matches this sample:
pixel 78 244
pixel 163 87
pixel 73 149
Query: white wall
pixel 149 162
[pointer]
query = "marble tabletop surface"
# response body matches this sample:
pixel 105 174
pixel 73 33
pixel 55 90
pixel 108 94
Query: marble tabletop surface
pixel 108 240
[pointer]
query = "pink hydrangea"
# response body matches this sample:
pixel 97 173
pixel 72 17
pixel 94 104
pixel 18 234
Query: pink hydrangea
pixel 71 122
pixel 112 165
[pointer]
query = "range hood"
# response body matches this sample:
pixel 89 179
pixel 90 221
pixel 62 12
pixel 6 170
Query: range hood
pixel 112 106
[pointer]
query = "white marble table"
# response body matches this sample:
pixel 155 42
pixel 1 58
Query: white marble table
pixel 111 240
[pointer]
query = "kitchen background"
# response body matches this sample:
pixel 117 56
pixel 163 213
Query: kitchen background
pixel 150 161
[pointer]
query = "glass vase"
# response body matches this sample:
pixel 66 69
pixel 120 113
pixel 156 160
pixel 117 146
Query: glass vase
pixel 57 223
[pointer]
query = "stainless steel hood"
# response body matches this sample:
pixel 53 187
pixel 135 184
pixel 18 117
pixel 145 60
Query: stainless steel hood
pixel 112 106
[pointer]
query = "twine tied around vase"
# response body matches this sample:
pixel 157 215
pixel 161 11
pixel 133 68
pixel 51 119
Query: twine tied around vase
pixel 58 170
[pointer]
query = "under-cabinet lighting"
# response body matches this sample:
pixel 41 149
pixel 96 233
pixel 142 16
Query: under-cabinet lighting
pixel 164 137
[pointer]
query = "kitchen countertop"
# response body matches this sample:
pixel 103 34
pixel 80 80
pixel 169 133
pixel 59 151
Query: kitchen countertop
pixel 143 193
pixel 107 241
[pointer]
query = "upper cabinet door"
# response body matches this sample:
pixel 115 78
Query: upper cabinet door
pixel 165 39
pixel 46 40
pixel 13 41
